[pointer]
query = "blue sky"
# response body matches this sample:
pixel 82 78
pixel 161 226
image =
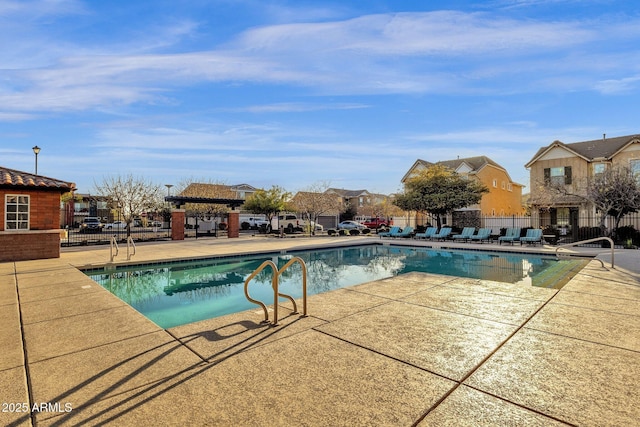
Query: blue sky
pixel 293 93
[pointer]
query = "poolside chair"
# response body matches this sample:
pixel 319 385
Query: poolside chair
pixel 467 232
pixel 430 231
pixel 483 234
pixel 393 229
pixel 442 234
pixel 512 235
pixel 534 235
pixel 406 232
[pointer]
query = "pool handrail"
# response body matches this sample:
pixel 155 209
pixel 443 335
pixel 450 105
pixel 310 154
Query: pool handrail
pixel 130 244
pixel 274 285
pixel 304 285
pixel 591 241
pixel 113 243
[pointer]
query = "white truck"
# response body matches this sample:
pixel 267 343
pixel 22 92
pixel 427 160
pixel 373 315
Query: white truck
pixel 252 222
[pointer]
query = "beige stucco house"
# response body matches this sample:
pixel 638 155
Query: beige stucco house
pixel 504 197
pixel 573 166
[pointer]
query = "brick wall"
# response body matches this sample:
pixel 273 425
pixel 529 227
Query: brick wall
pixel 26 245
pixel 44 209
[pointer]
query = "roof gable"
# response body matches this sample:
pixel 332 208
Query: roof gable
pixel 466 165
pixel 11 178
pixel 604 148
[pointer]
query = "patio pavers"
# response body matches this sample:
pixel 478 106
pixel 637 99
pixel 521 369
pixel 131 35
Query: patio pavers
pixel 91 375
pixel 13 386
pixel 10 337
pixel 580 382
pixel 605 327
pixel 305 379
pixel 470 407
pixel 445 343
pixel 222 337
pixel 416 282
pixel 65 335
pixel 474 302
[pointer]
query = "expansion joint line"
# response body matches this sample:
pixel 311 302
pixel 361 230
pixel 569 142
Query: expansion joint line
pixel 482 362
pixel 25 358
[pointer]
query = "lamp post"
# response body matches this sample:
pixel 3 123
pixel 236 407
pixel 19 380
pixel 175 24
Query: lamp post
pixel 36 150
pixel 168 189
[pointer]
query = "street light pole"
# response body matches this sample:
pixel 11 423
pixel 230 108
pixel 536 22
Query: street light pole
pixel 36 150
pixel 168 189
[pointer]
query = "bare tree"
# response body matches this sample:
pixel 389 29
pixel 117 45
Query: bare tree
pixel 130 195
pixel 614 192
pixel 313 202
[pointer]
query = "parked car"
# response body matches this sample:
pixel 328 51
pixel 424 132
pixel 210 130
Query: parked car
pixel 351 225
pixel 377 223
pixel 91 225
pixel 157 224
pixel 116 225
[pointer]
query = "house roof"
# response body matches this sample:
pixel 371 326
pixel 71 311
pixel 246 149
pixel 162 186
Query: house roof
pixel 11 178
pixel 347 193
pixel 475 164
pixel 604 148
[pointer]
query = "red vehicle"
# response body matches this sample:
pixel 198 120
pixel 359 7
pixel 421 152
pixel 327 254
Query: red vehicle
pixel 377 223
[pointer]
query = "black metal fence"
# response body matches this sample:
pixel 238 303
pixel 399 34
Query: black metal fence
pixel 76 237
pixel 568 228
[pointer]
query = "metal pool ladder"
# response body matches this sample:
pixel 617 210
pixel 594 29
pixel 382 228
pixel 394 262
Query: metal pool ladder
pixel 113 244
pixel 275 281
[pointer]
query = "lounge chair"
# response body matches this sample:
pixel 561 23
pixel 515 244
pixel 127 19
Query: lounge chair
pixel 466 234
pixel 483 234
pixel 442 234
pixel 512 235
pixel 534 235
pixel 393 229
pixel 406 232
pixel 430 231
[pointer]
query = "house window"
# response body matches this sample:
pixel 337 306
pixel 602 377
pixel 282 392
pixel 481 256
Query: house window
pixel 558 176
pixel 599 168
pixel 495 183
pixel 509 187
pixel 634 165
pixel 503 185
pixel 16 212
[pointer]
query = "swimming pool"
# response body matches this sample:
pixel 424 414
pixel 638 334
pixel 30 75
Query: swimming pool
pixel 184 292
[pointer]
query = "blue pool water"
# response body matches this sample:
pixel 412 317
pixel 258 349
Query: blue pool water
pixel 180 293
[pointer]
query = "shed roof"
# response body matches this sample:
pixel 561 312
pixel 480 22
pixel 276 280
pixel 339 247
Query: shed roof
pixel 11 178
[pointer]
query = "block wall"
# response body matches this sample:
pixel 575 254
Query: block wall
pixel 28 245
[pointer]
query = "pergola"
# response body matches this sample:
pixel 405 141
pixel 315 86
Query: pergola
pixel 178 214
pixel 179 201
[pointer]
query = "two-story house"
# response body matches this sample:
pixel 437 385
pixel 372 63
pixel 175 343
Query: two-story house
pixel 504 197
pixel 570 167
pixel 362 204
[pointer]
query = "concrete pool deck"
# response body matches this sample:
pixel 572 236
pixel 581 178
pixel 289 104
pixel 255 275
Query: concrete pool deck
pixel 415 349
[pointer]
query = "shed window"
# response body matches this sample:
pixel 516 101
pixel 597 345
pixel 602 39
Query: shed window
pixel 16 212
